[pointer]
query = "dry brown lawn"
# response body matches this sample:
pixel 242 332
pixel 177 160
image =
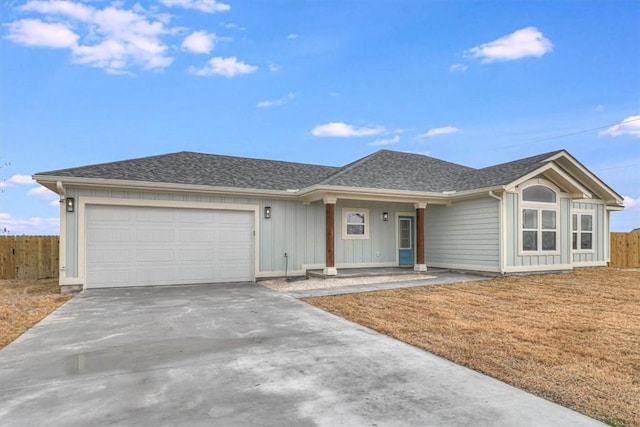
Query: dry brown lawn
pixel 23 303
pixel 570 338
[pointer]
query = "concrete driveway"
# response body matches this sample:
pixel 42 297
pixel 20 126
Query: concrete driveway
pixel 239 355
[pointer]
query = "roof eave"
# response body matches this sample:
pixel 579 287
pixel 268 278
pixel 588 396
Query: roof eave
pixel 50 182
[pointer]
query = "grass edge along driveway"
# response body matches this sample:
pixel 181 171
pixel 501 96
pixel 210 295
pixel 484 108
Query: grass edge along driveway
pixel 570 338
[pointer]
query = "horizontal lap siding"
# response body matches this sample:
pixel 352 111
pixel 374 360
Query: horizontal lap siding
pixel 465 233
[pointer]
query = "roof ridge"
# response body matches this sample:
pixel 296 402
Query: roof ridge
pixel 344 169
pixel 543 155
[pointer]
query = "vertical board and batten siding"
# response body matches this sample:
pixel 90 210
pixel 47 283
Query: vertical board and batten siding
pixel 294 228
pixel 514 256
pixel 380 247
pixel 599 234
pixel 465 233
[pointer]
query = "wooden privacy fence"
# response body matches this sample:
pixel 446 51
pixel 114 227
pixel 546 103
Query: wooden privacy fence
pixel 625 250
pixel 29 257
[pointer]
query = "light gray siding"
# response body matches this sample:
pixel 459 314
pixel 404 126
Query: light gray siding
pixel 467 233
pixel 380 247
pixel 600 234
pixel 294 228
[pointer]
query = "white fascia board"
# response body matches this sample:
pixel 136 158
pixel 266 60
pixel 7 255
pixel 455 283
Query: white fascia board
pixel 316 192
pixel 615 197
pixel 161 186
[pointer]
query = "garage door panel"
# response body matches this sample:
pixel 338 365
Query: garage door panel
pixel 155 255
pixel 138 246
pixel 197 255
pixel 111 277
pixel 196 235
pixel 110 235
pixel 108 256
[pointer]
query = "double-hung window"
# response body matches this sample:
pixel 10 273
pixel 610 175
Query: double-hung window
pixel 355 223
pixel 582 231
pixel 539 220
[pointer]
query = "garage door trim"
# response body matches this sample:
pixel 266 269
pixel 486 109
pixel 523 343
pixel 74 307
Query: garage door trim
pixel 82 223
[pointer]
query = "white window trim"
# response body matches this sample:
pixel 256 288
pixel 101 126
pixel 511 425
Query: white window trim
pixel 345 212
pixel 539 206
pixel 579 231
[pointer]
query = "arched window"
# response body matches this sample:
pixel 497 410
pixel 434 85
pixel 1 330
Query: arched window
pixel 539 193
pixel 539 219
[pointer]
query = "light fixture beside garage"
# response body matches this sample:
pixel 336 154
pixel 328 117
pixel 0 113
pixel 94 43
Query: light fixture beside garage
pixel 267 212
pixel 70 204
pixel 385 216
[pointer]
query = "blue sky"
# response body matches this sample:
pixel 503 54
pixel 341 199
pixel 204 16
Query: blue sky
pixel 476 83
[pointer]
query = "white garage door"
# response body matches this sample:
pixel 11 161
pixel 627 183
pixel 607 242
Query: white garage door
pixel 141 246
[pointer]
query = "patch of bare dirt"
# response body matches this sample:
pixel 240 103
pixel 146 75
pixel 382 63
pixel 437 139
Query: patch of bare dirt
pixel 23 303
pixel 571 338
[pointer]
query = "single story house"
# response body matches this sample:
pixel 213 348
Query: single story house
pixel 199 218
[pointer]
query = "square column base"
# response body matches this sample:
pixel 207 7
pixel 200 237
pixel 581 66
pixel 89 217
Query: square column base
pixel 330 271
pixel 420 267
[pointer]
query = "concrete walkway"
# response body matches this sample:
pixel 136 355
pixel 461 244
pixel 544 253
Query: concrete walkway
pixel 239 355
pixel 439 278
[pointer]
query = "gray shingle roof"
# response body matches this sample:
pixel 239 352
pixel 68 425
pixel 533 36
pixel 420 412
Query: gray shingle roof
pixel 501 174
pixel 384 169
pixel 399 171
pixel 206 169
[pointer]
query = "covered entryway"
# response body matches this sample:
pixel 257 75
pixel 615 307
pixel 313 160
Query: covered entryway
pixel 406 248
pixel 143 246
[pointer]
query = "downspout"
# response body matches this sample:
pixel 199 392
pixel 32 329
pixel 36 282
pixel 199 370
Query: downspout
pixel 62 247
pixel 503 249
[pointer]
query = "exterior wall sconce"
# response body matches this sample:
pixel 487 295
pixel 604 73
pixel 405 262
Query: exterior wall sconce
pixel 385 216
pixel 70 203
pixel 267 212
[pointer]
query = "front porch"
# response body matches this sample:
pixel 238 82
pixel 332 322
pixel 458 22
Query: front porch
pixel 373 272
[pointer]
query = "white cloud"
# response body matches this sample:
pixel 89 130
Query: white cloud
pixel 629 126
pixel 599 109
pixel 343 130
pixel 66 8
pixel 439 131
pixel 458 67
pixel 111 38
pixel 227 67
pixel 631 203
pixel 207 6
pixel 32 226
pixel 292 36
pixel 232 26
pixel 382 142
pixel 19 180
pixel 276 102
pixel 43 193
pixel 34 32
pixel 273 67
pixel 199 42
pixel 519 44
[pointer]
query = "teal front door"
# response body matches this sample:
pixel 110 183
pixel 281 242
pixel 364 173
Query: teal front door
pixel 406 245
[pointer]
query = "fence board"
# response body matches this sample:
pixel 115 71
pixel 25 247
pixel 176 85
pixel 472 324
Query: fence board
pixel 7 257
pixel 625 250
pixel 29 257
